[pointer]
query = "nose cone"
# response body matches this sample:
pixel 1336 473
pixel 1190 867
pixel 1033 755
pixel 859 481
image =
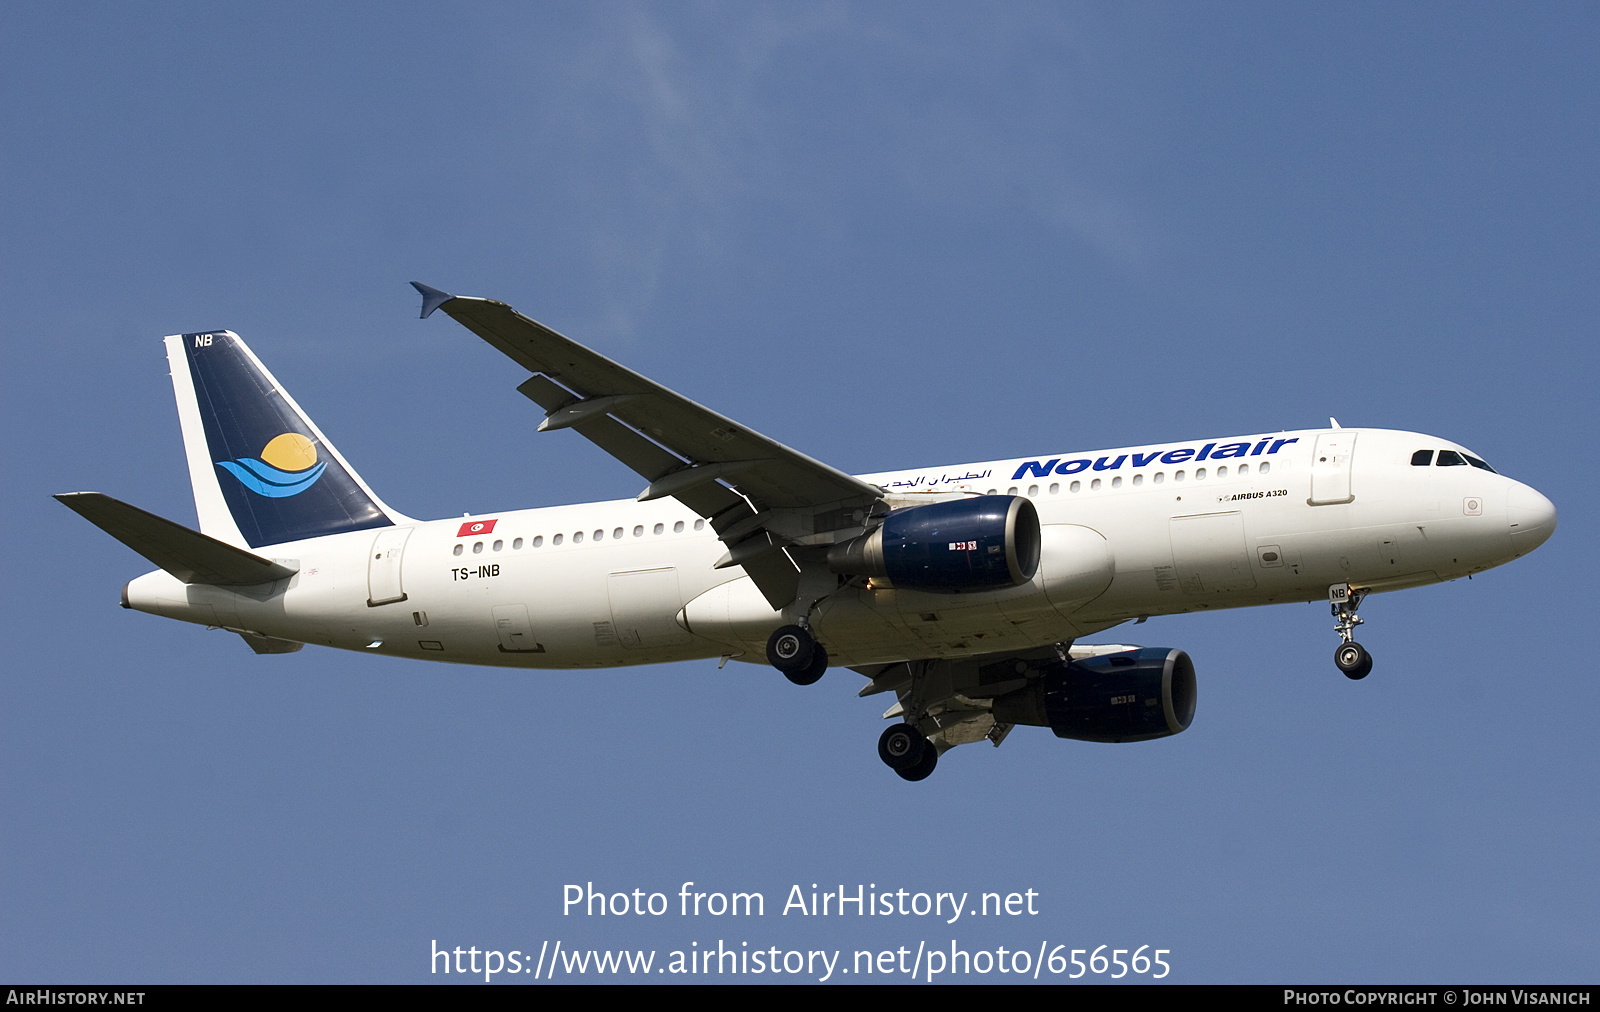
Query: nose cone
pixel 1532 518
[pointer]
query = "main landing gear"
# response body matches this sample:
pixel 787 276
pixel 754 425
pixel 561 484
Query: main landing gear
pixel 1350 657
pixel 795 652
pixel 904 750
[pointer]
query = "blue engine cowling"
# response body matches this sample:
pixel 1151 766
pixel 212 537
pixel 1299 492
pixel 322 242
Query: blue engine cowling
pixel 1133 695
pixel 984 543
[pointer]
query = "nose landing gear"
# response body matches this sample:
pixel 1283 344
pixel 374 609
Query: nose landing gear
pixel 1350 657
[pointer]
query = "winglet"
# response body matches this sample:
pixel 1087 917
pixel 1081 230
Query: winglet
pixel 432 298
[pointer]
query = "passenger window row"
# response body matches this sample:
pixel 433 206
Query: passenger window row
pixel 1158 478
pixel 617 534
pixel 1243 470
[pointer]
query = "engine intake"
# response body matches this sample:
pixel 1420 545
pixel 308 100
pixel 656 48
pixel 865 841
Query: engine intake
pixel 984 543
pixel 1134 695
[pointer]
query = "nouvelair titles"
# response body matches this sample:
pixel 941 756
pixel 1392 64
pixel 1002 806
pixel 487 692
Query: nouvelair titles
pixel 1210 451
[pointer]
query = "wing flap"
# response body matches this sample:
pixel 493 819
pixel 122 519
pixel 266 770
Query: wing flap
pixel 640 454
pixel 187 554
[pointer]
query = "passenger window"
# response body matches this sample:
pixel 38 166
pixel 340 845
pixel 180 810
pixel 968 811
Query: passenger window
pixel 1075 486
pixel 499 545
pixel 1159 478
pixel 1094 485
pixel 1422 458
pixel 659 528
pixel 556 540
pixel 538 542
pixel 1244 469
pixel 1222 472
pixel 618 532
pixel 1450 458
pixel 1033 490
pixel 992 491
pixel 577 538
pixel 1055 488
pixel 456 550
pixel 1012 490
pixel 1200 474
pixel 1266 465
pixel 1138 479
pixel 1116 482
pixel 677 528
pixel 477 546
pixel 516 546
pixel 638 532
pixel 599 535
pixel 699 525
pixel 1177 476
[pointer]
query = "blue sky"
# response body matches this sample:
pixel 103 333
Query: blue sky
pixel 887 235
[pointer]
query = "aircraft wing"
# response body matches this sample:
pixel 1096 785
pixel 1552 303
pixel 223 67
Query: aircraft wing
pixel 761 496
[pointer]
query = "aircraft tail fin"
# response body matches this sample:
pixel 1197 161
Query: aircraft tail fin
pixel 263 473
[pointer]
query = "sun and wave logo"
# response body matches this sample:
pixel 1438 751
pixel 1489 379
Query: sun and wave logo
pixel 288 466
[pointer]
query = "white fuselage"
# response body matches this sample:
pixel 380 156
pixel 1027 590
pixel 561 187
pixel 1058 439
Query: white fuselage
pixel 1126 533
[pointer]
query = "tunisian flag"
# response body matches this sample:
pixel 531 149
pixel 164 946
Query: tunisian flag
pixel 472 527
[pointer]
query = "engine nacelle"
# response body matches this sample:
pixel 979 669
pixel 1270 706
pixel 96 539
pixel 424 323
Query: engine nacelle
pixel 1134 695
pixel 987 542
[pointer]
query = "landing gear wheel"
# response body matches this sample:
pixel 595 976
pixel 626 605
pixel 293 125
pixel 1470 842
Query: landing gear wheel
pixel 819 664
pixel 1352 658
pixel 924 766
pixel 902 747
pixel 790 649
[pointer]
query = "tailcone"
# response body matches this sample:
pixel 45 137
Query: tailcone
pixel 161 593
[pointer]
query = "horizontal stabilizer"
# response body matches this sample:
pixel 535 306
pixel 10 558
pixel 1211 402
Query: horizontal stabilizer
pixel 188 555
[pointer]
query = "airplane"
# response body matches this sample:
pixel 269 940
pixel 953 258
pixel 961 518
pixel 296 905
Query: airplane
pixel 964 590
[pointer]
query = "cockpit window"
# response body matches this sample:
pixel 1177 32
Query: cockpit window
pixel 1450 458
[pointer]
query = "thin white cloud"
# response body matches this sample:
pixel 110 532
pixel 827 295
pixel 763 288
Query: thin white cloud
pixel 679 119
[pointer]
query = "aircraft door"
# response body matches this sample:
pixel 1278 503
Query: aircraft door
pixel 383 566
pixel 1330 468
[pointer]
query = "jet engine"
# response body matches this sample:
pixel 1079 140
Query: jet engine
pixel 1133 695
pixel 988 542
